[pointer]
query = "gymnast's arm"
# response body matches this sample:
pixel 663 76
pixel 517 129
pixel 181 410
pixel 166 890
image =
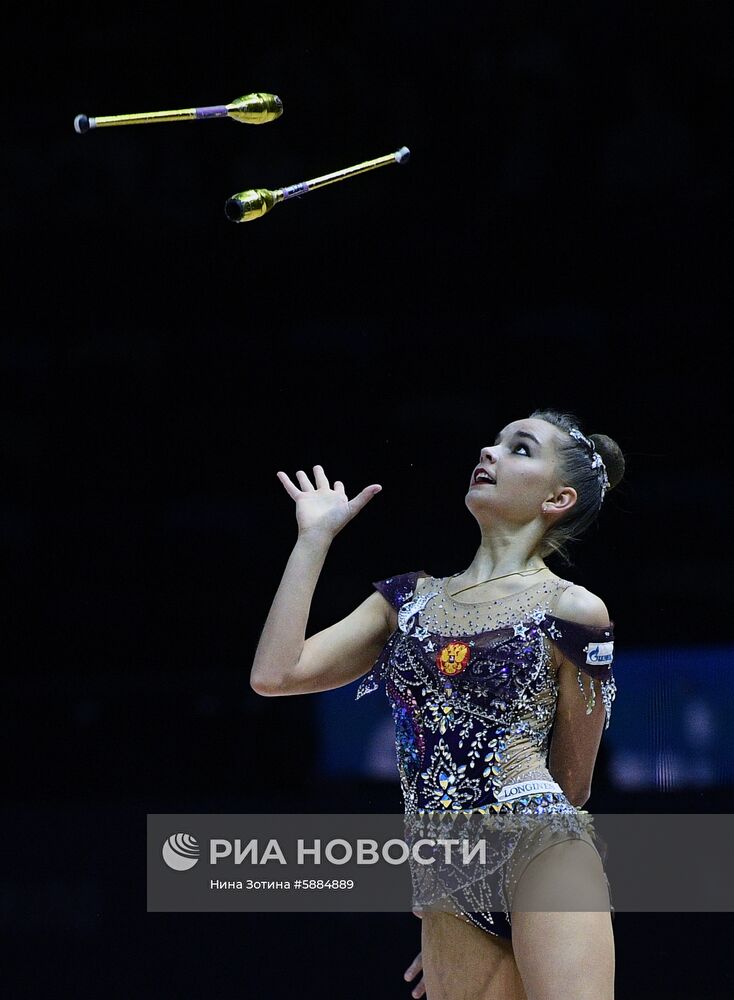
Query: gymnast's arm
pixel 331 658
pixel 576 735
pixel 286 662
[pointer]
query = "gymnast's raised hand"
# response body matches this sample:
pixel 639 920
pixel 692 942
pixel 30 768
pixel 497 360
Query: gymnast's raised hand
pixel 321 510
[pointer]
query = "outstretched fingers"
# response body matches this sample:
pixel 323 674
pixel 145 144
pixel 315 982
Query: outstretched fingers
pixel 327 506
pixel 364 497
pixel 413 970
pixel 305 482
pixel 322 483
pixel 289 486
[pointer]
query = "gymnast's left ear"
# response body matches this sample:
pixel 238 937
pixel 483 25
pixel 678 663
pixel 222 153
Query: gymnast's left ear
pixel 560 502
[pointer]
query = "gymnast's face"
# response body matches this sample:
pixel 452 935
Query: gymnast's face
pixel 517 474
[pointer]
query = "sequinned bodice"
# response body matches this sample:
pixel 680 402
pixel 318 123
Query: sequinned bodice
pixel 473 693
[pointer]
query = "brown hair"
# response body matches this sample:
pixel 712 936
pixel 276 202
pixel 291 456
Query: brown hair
pixel 575 468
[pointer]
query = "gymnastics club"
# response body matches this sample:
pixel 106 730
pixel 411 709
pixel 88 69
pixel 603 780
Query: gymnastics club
pixel 253 109
pixel 252 204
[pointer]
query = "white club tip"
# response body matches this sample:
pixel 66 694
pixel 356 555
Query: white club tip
pixel 402 154
pixel 83 124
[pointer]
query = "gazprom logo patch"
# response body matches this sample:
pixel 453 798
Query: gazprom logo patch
pixel 602 652
pixel 181 851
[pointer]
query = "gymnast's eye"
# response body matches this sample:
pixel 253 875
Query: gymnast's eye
pixel 520 444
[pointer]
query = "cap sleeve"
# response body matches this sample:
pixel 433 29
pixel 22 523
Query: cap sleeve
pixel 591 649
pixel 398 589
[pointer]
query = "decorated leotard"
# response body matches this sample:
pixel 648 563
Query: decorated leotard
pixel 473 694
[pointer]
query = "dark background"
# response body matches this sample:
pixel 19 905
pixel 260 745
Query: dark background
pixel 557 238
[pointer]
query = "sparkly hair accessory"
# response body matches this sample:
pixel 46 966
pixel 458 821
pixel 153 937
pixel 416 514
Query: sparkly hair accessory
pixel 597 463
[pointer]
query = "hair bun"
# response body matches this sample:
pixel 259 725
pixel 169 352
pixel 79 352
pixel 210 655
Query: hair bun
pixel 611 455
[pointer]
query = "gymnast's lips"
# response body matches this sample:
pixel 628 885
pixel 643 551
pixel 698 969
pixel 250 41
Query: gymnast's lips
pixel 487 482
